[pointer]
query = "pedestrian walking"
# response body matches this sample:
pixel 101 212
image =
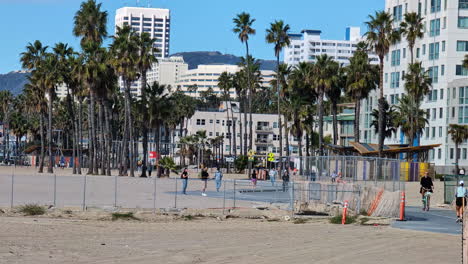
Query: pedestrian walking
pixel 333 176
pixel 254 178
pixel 460 202
pixel 285 179
pixel 204 177
pixel 150 169
pixel 184 176
pixel 218 179
pixel 272 175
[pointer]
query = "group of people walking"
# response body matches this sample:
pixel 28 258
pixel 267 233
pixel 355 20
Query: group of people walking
pixel 204 176
pixel 273 175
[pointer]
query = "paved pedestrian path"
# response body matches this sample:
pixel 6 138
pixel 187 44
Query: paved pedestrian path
pixel 436 220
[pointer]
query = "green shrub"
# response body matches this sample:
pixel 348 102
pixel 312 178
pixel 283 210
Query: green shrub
pixel 123 216
pixel 363 212
pixel 337 219
pixel 188 217
pixel 32 209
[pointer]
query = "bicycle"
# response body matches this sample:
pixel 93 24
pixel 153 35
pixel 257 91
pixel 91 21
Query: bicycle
pixel 426 198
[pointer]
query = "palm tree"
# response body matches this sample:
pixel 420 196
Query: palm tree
pixel 145 60
pixel 30 59
pixel 334 96
pixel 390 117
pixel 243 27
pixel 90 24
pixel 125 53
pixel 323 79
pixel 277 34
pixel 412 28
pixel 6 100
pixel 459 134
pixel 380 36
pixel 410 117
pixel 225 84
pixel 361 78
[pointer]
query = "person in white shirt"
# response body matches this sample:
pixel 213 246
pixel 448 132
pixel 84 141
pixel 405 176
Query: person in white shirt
pixel 460 202
pixel 272 175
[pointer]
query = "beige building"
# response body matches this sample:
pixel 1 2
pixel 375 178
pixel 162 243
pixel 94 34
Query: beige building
pixel 206 76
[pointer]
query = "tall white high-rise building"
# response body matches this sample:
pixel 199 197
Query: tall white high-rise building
pixel 307 45
pixel 441 51
pixel 154 21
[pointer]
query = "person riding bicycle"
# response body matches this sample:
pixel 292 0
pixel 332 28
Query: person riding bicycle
pixel 427 188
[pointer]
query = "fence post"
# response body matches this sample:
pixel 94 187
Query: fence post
pixel 175 196
pixel 154 195
pixel 84 193
pixel 234 204
pixel 115 191
pixel 224 195
pixel 55 189
pixel 12 187
pixel 291 198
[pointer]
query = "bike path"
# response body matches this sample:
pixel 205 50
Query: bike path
pixel 436 220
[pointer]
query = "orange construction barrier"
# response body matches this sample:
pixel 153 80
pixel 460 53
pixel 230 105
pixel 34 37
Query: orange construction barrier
pixel 345 210
pixel 375 203
pixel 402 207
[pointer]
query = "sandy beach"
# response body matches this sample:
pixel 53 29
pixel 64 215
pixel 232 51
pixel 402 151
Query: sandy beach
pixel 208 240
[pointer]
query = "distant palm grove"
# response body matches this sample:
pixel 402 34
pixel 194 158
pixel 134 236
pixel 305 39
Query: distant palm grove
pixel 103 125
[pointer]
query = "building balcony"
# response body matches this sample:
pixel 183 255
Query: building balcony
pixel 263 129
pixel 260 141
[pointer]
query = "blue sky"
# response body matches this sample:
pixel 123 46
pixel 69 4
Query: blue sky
pixel 197 25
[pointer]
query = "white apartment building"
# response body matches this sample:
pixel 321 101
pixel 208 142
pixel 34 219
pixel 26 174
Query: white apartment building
pixel 265 131
pixel 441 52
pixel 307 45
pixel 167 71
pixel 154 21
pixel 206 76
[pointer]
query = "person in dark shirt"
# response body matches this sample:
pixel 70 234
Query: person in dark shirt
pixel 184 177
pixel 426 186
pixel 254 178
pixel 204 177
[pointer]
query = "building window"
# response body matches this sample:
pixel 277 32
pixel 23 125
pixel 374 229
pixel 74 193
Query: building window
pixel 433 132
pixel 417 52
pixel 462 22
pixel 439 153
pixel 451 153
pixel 424 49
pixel 435 6
pixel 434 28
pixel 210 134
pixel 200 122
pixel 440 131
pixel 386 77
pixel 427 133
pixel 434 51
pixel 434 74
pixel 461 71
pixel 462 45
pixel 444 23
pixel 441 113
pixel 442 70
pixel 464 154
pixel 434 116
pixel 441 94
pixel 398 13
pixel 396 58
pixel 462 4
pixel 275 124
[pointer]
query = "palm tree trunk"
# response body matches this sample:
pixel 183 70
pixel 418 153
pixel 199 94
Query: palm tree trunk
pixel 90 135
pixel 249 89
pixel 94 167
pixel 286 135
pixel 335 123
pixel 246 123
pixel 108 137
pixel 229 127
pixel 241 152
pixel 124 146
pixel 102 144
pixel 49 133
pixel 234 136
pixel 80 134
pixel 144 125
pixel 279 110
pixel 357 110
pixel 411 47
pixel 299 136
pixel 320 111
pixel 41 127
pixel 130 128
pixel 73 128
pixel 457 167
pixel 381 110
